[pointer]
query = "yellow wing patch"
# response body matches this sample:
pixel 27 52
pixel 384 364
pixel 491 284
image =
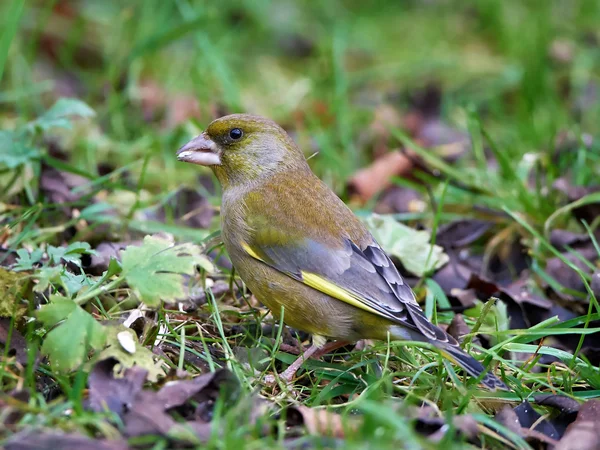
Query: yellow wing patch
pixel 251 252
pixel 323 285
pixel 448 356
pixel 327 287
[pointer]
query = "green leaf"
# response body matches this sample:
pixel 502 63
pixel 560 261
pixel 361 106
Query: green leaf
pixel 410 246
pixel 154 270
pixel 75 332
pixel 15 151
pixel 114 268
pixel 59 114
pixel 73 283
pixel 26 260
pixel 47 276
pixel 72 253
pixel 58 309
pixel 117 348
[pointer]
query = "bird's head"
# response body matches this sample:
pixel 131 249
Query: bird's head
pixel 241 148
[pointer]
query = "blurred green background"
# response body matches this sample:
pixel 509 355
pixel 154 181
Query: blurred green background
pixel 323 69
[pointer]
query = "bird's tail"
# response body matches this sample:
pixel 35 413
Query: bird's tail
pixel 470 365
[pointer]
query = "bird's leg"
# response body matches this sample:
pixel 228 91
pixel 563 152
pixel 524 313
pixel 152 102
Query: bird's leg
pixel 316 350
pixel 293 349
pixel 329 347
pixel 363 344
pixel 288 374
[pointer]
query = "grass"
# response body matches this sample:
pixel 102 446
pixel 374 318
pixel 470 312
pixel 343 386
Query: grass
pixel 514 76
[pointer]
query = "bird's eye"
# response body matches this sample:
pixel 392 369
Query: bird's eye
pixel 235 134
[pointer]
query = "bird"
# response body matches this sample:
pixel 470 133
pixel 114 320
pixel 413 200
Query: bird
pixel 301 250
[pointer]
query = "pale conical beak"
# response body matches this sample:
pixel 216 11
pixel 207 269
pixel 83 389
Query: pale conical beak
pixel 200 150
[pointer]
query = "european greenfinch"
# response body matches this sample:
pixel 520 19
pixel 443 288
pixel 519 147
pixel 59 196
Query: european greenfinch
pixel 301 251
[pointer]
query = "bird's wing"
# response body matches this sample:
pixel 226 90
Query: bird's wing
pixel 363 277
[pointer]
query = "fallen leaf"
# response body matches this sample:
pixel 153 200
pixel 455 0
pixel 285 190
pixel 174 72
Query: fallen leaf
pixel 461 233
pixel 8 258
pixel 321 422
pixel 573 193
pixel 454 275
pixel 106 391
pixel 179 109
pixel 430 424
pixel 528 417
pixel 525 302
pixel 508 418
pixel 467 298
pixel 139 357
pixel 172 107
pixel 399 199
pixel 566 276
pixel 17 345
pixel 520 420
pixel 40 439
pixel 147 416
pixel 373 179
pixel 584 433
pixel 566 406
pixel 410 246
pixel 58 186
pixel 458 328
pixel 203 390
pixel 525 306
pixel 193 400
pixel 98 262
pixel 447 141
pixel 561 239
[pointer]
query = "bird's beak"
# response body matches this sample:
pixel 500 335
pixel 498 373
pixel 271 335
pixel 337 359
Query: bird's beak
pixel 200 150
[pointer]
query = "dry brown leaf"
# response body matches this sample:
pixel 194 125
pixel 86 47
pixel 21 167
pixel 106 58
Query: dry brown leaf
pixel 322 422
pixel 373 179
pixel 584 433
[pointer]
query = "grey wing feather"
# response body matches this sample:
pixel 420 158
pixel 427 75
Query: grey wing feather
pixel 368 273
pixel 403 293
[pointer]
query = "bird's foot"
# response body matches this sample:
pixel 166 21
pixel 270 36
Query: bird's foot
pixel 314 351
pixel 288 374
pixel 286 377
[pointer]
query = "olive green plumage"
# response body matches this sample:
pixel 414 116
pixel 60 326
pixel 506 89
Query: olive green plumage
pixel 301 250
